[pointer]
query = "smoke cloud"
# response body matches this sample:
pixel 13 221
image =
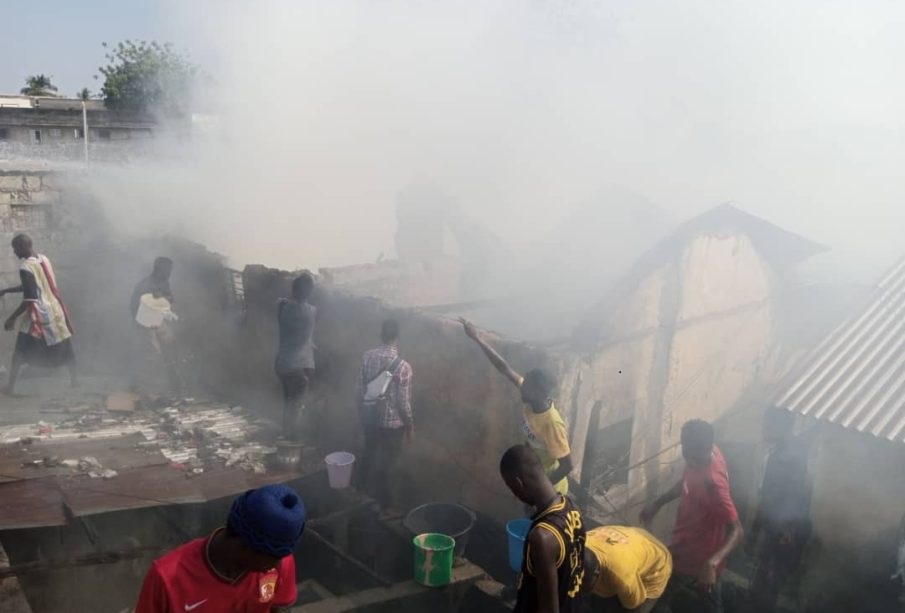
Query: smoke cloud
pixel 523 110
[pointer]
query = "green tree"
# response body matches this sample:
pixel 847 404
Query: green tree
pixel 84 94
pixel 38 85
pixel 148 76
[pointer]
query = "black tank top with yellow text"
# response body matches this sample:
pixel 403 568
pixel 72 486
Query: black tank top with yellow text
pixel 563 520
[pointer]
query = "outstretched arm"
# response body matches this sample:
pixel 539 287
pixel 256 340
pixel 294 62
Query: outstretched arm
pixel 495 358
pixel 11 290
pixel 651 510
pixel 11 320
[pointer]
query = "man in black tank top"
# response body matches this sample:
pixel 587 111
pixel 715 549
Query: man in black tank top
pixel 552 574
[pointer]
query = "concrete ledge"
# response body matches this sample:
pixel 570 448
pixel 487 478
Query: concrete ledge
pixel 463 576
pixel 12 599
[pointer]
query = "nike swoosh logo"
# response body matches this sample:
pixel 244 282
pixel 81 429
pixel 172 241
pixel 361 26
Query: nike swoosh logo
pixel 192 607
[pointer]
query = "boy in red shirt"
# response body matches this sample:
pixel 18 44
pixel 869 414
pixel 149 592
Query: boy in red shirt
pixel 246 567
pixel 707 525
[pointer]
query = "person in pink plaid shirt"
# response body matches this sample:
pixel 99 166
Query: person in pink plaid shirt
pixel 393 423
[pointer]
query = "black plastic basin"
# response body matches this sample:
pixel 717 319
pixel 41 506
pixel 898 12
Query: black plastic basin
pixel 452 520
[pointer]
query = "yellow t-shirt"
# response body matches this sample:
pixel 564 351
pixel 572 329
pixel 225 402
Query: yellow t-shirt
pixel 634 565
pixel 546 433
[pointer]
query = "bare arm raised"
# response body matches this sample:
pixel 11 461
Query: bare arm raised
pixel 495 358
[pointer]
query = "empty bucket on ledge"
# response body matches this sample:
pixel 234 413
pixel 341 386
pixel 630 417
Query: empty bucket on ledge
pixel 433 559
pixel 517 529
pixel 339 469
pixel 453 520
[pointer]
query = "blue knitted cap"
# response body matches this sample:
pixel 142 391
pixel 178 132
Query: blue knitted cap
pixel 270 519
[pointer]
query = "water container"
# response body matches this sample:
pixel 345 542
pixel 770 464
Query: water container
pixel 518 531
pixel 453 520
pixel 433 559
pixel 339 469
pixel 152 311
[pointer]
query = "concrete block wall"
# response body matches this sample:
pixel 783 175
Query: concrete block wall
pixel 466 414
pixel 29 202
pixel 20 189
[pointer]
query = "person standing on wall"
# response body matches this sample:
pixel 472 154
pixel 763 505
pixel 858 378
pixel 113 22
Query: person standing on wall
pixel 707 526
pixel 385 402
pixel 248 565
pixel 155 341
pixel 782 524
pixel 553 566
pixel 542 424
pixel 45 330
pixel 295 358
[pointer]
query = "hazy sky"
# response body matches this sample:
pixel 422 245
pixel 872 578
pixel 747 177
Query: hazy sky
pixel 520 108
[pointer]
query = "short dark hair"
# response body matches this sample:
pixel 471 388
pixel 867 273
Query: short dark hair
pixel 697 433
pixel 162 264
pixel 303 285
pixel 389 331
pixel 519 460
pixel 23 240
pixel 541 380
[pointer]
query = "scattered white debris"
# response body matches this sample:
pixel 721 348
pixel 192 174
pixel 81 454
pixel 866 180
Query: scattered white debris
pixel 191 435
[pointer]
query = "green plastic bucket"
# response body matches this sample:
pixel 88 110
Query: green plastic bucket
pixel 433 559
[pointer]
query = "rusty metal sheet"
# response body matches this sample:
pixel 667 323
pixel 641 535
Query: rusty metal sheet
pixel 132 489
pixel 31 503
pixel 116 453
pixel 159 485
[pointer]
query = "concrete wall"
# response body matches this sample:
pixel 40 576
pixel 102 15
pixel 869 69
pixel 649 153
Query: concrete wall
pixel 694 336
pixel 858 503
pixel 466 415
pixel 859 489
pixel 401 283
pixel 30 202
pixel 66 135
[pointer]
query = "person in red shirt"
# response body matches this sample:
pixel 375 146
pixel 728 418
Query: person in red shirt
pixel 246 566
pixel 707 526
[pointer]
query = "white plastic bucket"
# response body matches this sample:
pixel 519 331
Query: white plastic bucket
pixel 152 311
pixel 339 469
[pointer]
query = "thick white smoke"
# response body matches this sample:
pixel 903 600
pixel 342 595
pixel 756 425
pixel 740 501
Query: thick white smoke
pixel 523 109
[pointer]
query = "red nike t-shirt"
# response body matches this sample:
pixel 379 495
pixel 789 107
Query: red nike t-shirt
pixel 182 581
pixel 705 509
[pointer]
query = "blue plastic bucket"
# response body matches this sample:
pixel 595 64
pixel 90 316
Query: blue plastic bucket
pixel 518 530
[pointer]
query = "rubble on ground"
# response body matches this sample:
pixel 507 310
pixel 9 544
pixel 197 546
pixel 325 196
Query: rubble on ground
pixel 194 435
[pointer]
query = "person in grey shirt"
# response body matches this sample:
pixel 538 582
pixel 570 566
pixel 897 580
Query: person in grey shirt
pixel 295 356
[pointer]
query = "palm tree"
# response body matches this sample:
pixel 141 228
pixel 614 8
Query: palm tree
pixel 38 85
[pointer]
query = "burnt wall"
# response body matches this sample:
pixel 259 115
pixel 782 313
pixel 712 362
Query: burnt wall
pixel 465 413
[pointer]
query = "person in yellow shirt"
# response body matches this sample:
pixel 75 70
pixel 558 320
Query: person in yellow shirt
pixel 628 564
pixel 542 424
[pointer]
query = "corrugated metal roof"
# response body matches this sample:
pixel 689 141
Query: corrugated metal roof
pixel 856 377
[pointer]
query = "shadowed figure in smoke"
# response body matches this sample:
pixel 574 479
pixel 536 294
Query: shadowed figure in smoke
pixel 553 566
pixel 248 565
pixel 295 358
pixel 782 525
pixel 151 308
pixel 45 330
